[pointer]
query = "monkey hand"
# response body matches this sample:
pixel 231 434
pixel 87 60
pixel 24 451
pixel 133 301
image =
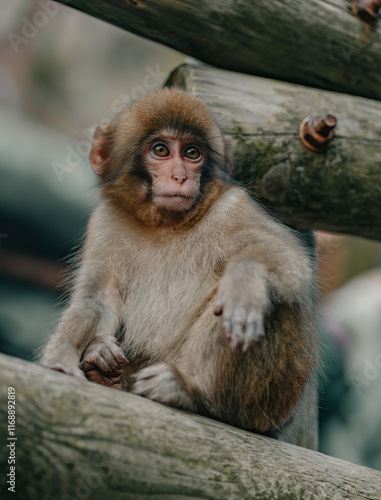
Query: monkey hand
pixel 242 300
pixel 103 361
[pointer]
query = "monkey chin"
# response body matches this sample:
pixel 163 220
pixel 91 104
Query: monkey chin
pixel 175 202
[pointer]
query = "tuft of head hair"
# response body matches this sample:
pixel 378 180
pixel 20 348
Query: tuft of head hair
pixel 172 110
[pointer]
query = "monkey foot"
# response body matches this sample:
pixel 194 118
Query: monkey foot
pixel 103 361
pixel 162 383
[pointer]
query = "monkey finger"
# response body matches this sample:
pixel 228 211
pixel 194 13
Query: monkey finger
pixel 88 366
pixel 94 375
pixel 113 380
pixel 259 327
pixel 246 345
pixel 238 326
pixel 95 358
pixel 228 328
pixel 254 330
pixel 238 334
pixel 118 353
pixel 108 360
pixel 104 353
pixel 234 343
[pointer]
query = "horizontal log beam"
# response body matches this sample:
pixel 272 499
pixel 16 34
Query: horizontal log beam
pixel 319 43
pixel 78 440
pixel 339 190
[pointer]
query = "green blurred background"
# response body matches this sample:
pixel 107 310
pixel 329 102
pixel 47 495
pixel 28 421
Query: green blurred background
pixel 60 78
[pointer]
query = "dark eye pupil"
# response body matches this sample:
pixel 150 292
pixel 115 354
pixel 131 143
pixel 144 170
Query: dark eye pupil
pixel 192 153
pixel 160 150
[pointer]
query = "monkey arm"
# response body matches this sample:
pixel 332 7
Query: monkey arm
pixel 94 309
pixel 269 267
pixel 261 240
pixel 253 282
pixel 89 314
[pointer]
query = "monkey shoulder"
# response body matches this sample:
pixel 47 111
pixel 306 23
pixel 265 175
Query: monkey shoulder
pixel 107 224
pixel 239 212
pixel 251 229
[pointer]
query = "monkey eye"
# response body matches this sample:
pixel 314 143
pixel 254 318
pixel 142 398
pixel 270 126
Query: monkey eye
pixel 160 150
pixel 192 153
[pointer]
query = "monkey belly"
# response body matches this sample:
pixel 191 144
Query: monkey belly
pixel 157 319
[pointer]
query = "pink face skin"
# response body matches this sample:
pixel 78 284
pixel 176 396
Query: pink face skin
pixel 175 166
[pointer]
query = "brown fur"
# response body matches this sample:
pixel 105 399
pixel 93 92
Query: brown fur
pixel 158 278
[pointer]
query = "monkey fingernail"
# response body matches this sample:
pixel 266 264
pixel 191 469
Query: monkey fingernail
pixel 57 369
pixel 218 310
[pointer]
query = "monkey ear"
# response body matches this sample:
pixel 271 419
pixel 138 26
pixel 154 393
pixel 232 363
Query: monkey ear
pixel 99 150
pixel 228 154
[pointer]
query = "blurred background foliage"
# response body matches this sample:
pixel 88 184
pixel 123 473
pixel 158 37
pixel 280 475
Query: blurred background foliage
pixel 73 72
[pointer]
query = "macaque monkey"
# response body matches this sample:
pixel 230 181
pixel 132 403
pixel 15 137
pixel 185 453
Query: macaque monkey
pixel 187 277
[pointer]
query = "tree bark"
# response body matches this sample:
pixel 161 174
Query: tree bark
pixel 339 190
pixel 79 440
pixel 318 43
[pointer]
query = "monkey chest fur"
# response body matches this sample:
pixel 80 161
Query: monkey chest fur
pixel 163 289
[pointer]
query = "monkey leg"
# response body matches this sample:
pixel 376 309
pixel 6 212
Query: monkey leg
pixel 257 389
pixel 189 382
pixel 103 361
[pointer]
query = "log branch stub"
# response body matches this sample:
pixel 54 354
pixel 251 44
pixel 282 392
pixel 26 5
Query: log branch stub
pixel 317 132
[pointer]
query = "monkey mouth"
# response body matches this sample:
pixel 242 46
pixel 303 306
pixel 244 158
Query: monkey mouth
pixel 174 197
pixel 174 201
pixel 177 195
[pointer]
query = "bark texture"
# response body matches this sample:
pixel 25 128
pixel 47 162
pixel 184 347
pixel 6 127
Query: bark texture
pixel 312 42
pixel 78 440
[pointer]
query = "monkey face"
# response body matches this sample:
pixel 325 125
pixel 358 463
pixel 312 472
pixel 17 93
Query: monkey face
pixel 156 158
pixel 175 165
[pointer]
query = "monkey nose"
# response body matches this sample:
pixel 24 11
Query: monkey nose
pixel 179 178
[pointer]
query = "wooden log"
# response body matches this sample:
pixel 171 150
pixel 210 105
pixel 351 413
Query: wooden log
pixel 339 190
pixel 78 440
pixel 317 43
